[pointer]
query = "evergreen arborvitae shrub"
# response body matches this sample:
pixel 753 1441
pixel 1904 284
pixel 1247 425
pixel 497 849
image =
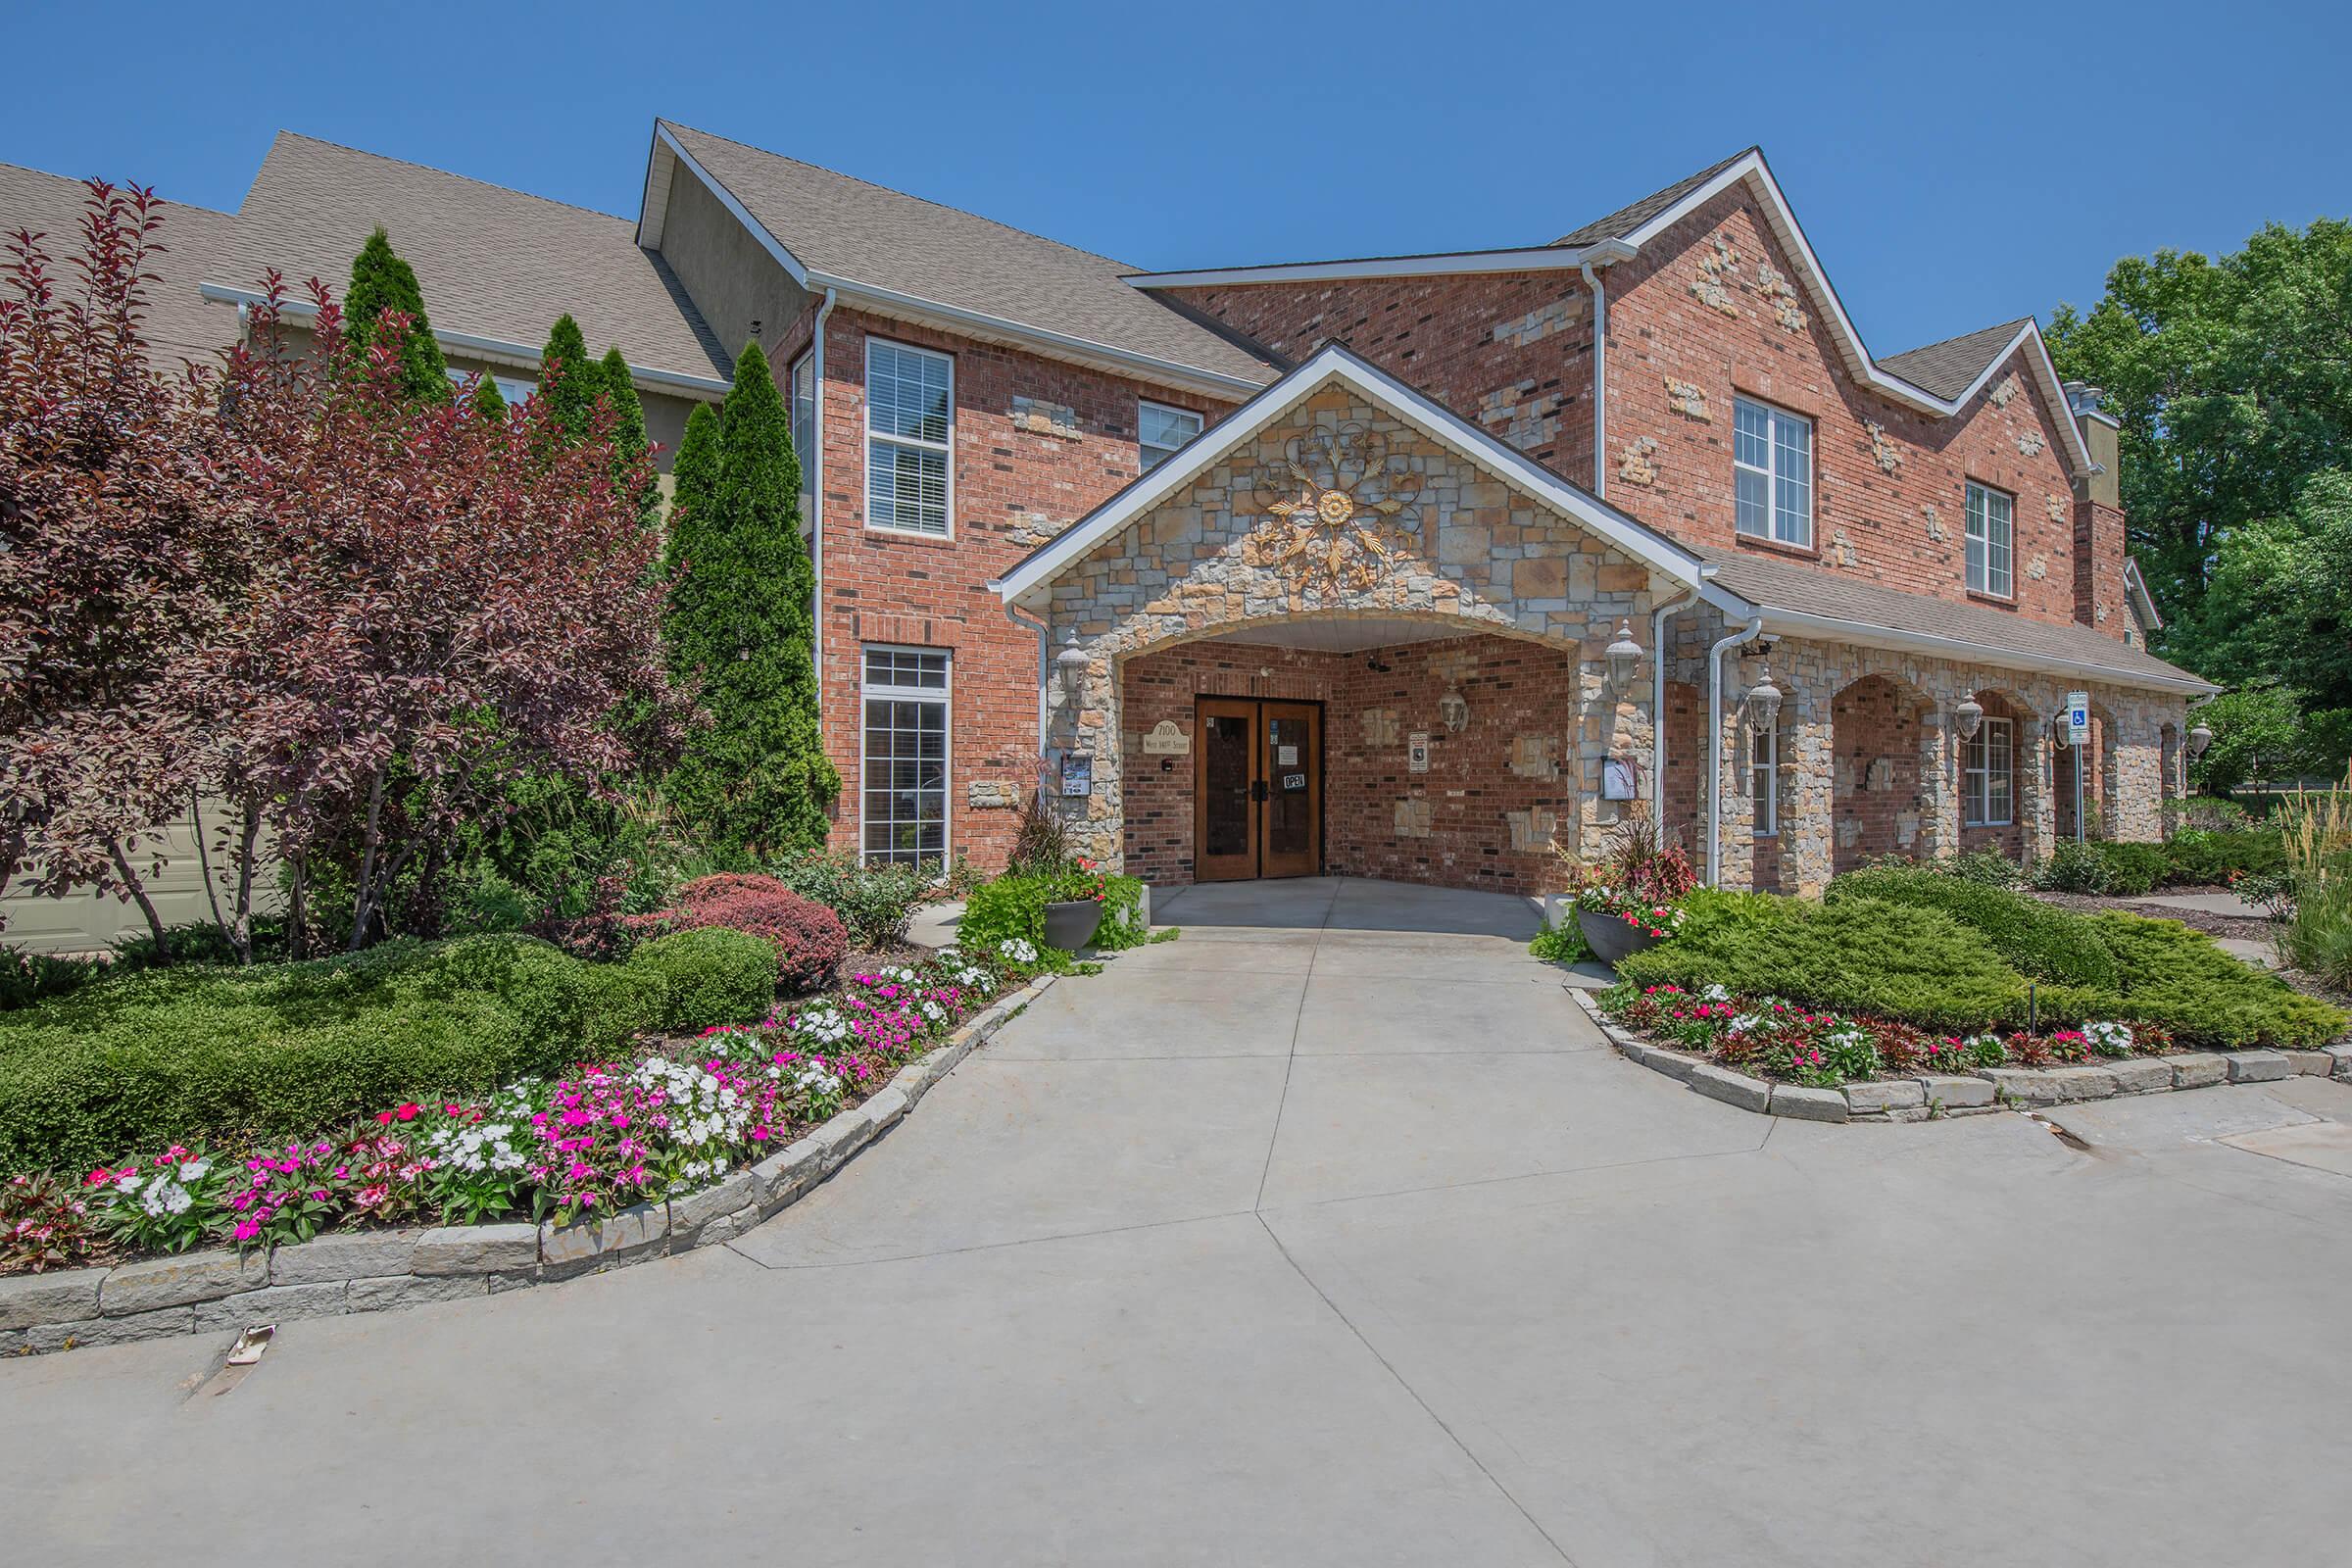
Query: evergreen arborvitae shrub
pixel 693 475
pixel 754 779
pixel 568 378
pixel 629 441
pixel 380 281
pixel 489 404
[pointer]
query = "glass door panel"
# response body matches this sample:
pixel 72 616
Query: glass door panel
pixel 1225 777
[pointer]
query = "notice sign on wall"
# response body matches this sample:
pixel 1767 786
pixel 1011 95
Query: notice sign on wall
pixel 1286 757
pixel 1165 739
pixel 1077 774
pixel 1416 751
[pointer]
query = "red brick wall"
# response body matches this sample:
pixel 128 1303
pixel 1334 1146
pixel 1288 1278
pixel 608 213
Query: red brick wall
pixel 892 587
pixel 1870 719
pixel 2099 546
pixel 1511 352
pixel 1686 748
pixel 1515 688
pixel 1660 330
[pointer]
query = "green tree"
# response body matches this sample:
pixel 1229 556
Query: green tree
pixel 741 618
pixel 693 475
pixel 380 281
pixel 2233 378
pixel 2279 603
pixel 629 442
pixel 489 404
pixel 568 378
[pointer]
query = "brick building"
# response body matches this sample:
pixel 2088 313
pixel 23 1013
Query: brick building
pixel 1409 566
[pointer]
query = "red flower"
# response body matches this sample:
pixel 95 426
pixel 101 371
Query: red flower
pixel 409 1112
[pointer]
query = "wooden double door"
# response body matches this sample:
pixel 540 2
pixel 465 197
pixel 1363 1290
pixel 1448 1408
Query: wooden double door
pixel 1257 789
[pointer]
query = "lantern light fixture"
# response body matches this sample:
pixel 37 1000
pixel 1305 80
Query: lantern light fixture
pixel 1764 703
pixel 2199 737
pixel 1071 660
pixel 1969 715
pixel 1624 655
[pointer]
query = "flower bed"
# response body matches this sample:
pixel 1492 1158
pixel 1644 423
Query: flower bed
pixel 670 1118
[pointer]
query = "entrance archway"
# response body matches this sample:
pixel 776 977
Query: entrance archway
pixel 1877 728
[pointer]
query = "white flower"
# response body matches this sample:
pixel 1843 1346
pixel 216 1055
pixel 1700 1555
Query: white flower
pixel 193 1170
pixel 1715 993
pixel 1019 950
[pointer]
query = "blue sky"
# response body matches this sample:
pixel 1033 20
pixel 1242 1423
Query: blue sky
pixel 1950 175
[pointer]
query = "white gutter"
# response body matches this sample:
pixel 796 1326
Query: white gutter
pixel 1980 652
pixel 707 388
pixel 817 485
pixel 1601 382
pixel 1044 661
pixel 1715 745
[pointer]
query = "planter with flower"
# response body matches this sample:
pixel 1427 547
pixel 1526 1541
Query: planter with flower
pixel 1632 898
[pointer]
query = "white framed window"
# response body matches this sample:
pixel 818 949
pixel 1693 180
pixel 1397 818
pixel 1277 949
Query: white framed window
pixel 902 817
pixel 1992 535
pixel 1764 781
pixel 804 434
pixel 1988 775
pixel 513 389
pixel 1160 432
pixel 1772 473
pixel 909 435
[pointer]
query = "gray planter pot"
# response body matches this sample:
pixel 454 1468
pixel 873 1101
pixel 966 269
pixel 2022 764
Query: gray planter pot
pixel 1612 938
pixel 1071 926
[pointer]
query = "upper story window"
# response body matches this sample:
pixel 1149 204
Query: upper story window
pixel 910 425
pixel 1160 431
pixel 804 434
pixel 1992 535
pixel 1772 467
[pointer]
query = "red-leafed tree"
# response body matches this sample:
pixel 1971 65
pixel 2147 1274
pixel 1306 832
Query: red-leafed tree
pixel 120 544
pixel 439 602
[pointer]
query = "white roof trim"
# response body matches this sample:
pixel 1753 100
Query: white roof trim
pixel 909 307
pixel 1333 363
pixel 1539 259
pixel 1871 634
pixel 1751 167
pixel 680 383
pixel 2137 587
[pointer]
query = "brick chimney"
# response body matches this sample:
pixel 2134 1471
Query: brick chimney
pixel 2099 546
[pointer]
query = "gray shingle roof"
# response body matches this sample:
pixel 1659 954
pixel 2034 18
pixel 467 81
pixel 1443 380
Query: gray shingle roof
pixel 863 233
pixel 1777 584
pixel 1951 367
pixel 494 262
pixel 180 325
pixel 1625 220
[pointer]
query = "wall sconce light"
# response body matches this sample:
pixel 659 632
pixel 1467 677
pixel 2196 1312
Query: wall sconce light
pixel 1071 661
pixel 1624 655
pixel 1970 715
pixel 1764 703
pixel 2061 735
pixel 2199 737
pixel 1454 708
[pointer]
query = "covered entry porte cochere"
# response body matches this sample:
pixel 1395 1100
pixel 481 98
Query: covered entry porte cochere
pixel 1257 789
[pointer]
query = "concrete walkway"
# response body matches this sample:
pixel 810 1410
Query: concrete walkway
pixel 1328 1234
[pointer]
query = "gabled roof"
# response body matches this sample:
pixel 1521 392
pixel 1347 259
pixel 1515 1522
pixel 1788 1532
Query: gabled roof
pixel 1806 601
pixel 1621 234
pixel 1375 386
pixel 909 256
pixel 497 266
pixel 1950 368
pixel 180 325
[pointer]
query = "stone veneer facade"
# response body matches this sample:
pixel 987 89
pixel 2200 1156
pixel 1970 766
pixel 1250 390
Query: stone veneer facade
pixel 1485 561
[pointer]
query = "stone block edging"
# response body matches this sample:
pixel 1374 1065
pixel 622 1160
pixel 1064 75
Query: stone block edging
pixel 373 1271
pixel 1935 1096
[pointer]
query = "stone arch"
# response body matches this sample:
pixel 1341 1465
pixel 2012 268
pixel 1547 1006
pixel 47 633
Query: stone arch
pixel 1880 731
pixel 2096 761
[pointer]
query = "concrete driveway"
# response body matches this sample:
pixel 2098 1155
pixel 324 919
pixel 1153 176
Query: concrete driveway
pixel 1329 1234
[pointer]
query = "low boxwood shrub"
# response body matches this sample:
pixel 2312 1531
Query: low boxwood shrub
pixel 2134 869
pixel 711 975
pixel 875 902
pixel 226 1055
pixel 2038 941
pixel 2074 866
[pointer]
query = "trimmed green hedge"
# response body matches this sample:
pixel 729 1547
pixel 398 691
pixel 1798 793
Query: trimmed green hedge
pixel 1921 965
pixel 708 976
pixel 2039 941
pixel 224 1054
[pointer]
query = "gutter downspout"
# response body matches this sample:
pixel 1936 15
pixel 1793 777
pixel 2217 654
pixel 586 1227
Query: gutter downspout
pixel 1657 702
pixel 1601 382
pixel 1045 664
pixel 817 487
pixel 1756 625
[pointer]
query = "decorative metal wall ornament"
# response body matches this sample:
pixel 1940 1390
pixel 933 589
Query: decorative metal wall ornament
pixel 1338 510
